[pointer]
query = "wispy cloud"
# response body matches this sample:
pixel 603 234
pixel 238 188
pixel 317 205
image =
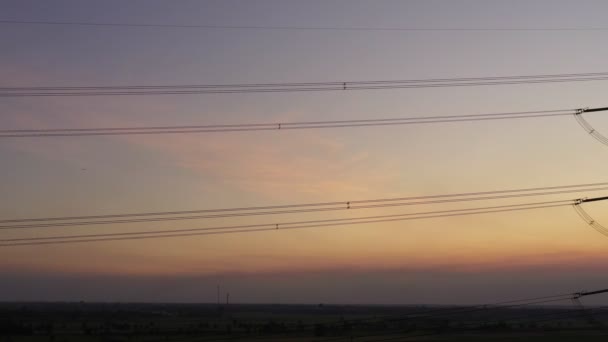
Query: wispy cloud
pixel 270 164
pixel 276 164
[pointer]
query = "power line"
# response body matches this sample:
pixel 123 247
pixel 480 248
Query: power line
pixel 63 221
pixel 587 218
pixel 288 126
pixel 587 126
pixel 201 89
pixel 283 225
pixel 295 28
pixel 310 84
pixel 105 131
pixel 278 226
pixel 264 213
pixel 278 126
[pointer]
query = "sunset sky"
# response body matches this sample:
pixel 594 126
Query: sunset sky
pixel 471 259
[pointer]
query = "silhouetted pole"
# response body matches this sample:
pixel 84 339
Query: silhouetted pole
pixel 590 110
pixel 587 200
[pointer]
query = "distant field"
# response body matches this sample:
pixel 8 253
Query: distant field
pixel 91 322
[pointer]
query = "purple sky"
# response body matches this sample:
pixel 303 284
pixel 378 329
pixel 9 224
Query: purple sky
pixel 459 260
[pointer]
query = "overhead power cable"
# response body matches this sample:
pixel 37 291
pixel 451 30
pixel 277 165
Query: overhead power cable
pixel 587 127
pixel 278 126
pixel 292 28
pixel 237 229
pixel 587 218
pixel 64 221
pixel 200 89
pixel 288 126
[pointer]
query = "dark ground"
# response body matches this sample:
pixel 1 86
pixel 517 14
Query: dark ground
pixel 65 322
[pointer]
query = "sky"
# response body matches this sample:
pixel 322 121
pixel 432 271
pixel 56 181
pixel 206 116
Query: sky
pixel 462 260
